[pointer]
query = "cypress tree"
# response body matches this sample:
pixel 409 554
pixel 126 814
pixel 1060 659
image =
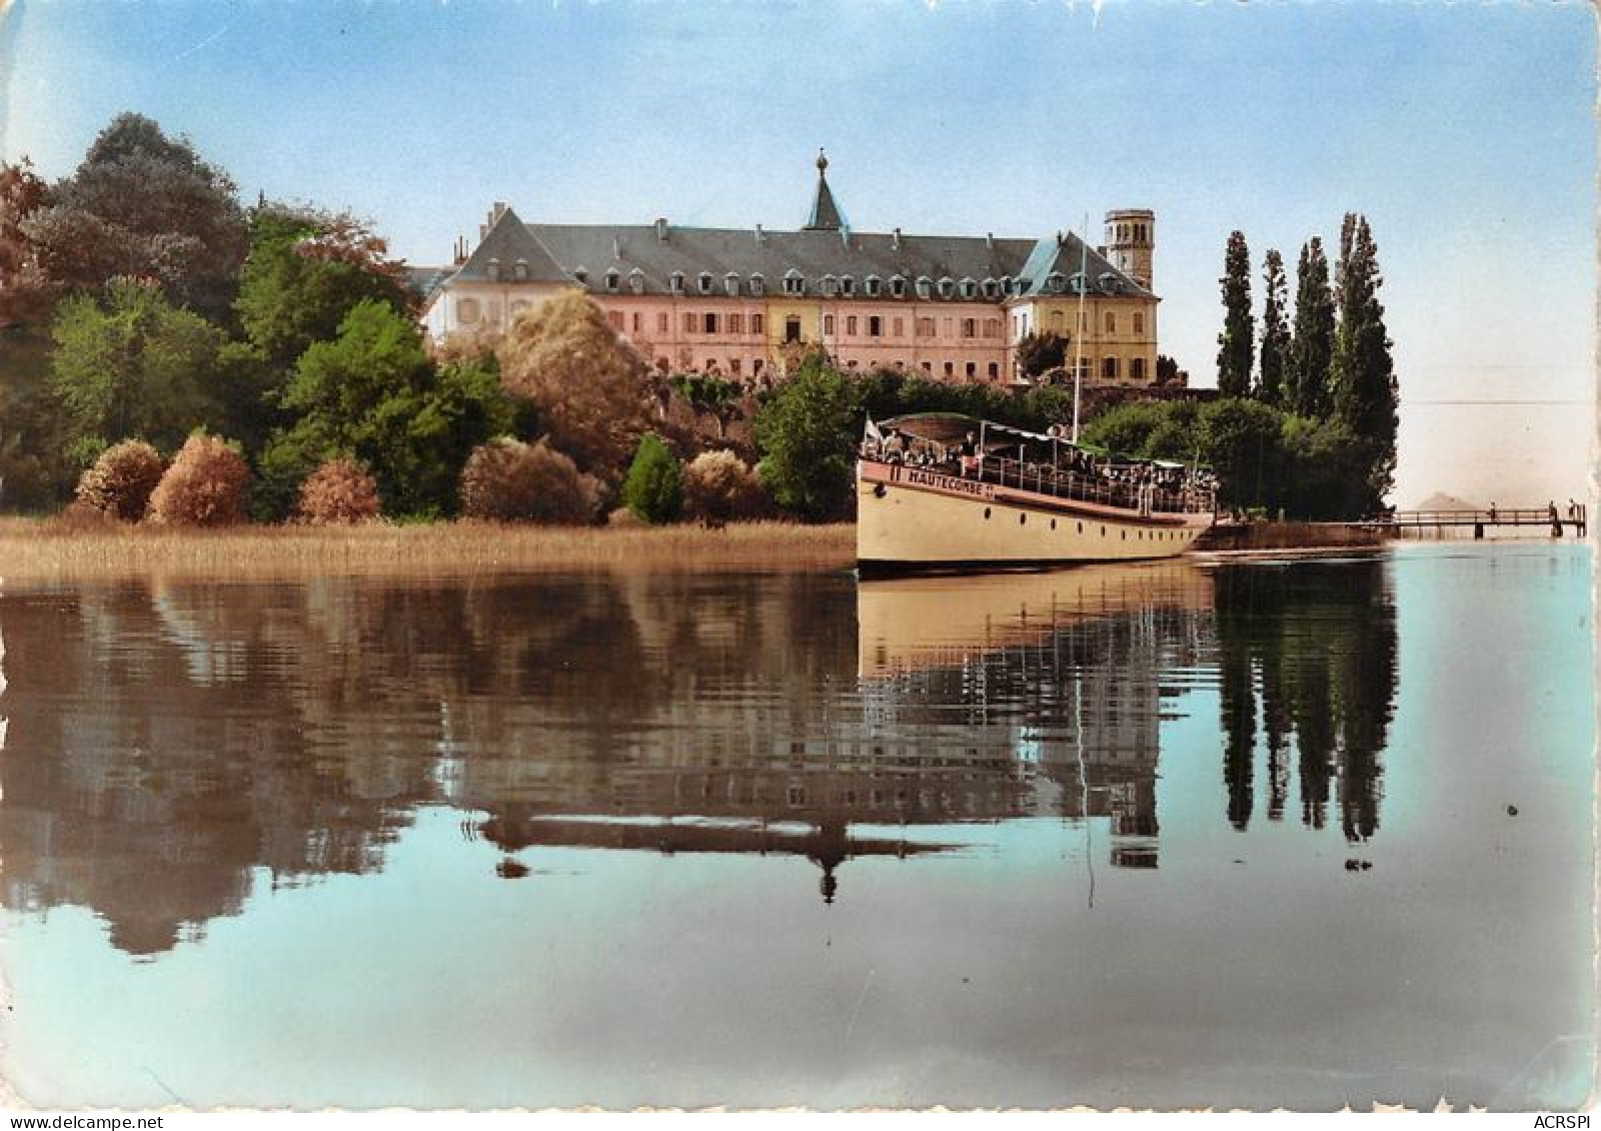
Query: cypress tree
pixel 1313 346
pixel 1366 397
pixel 1275 332
pixel 1236 342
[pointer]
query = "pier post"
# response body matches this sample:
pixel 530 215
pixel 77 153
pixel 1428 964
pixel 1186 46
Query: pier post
pixel 1478 531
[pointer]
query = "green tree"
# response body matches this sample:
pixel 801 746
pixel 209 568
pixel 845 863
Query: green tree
pixel 1275 356
pixel 304 272
pixel 1239 438
pixel 1312 349
pixel 654 489
pixel 1365 393
pixel 374 393
pixel 142 204
pixel 805 434
pixel 587 382
pixel 1039 353
pixel 1237 341
pixel 132 365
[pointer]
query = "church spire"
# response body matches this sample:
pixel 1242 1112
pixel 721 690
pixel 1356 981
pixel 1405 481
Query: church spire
pixel 825 213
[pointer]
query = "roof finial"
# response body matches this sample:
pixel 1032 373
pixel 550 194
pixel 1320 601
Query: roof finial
pixel 822 162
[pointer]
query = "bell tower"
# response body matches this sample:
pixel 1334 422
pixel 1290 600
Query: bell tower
pixel 1131 242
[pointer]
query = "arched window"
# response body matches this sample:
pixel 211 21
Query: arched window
pixel 1006 284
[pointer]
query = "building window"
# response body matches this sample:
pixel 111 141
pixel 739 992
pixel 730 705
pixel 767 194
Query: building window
pixel 828 286
pixel 1109 368
pixel 494 270
pixel 875 326
pixel 828 319
pixel 636 281
pixel 756 367
pixel 1006 284
pixel 1136 369
pixel 992 327
pixel 947 287
pixel 756 323
pixel 1081 319
pixel 972 370
pixel 850 325
pixel 928 367
pixel 995 371
pixel 758 283
pixel 950 369
pixel 519 270
pixel 676 283
pixel 897 328
pixel 731 283
pixel 897 286
pixel 792 329
pixel 1111 322
pixel 663 323
pixel 989 288
pixel 969 327
pixel 871 286
pixel 925 327
pixel 847 285
pixel 925 286
pixel 1139 322
pixel 467 310
pixel 612 278
pixel 639 322
pixel 969 288
pixel 733 366
pixel 794 284
pixel 736 323
pixel 711 323
pixel 615 317
pixel 689 322
pixel 705 282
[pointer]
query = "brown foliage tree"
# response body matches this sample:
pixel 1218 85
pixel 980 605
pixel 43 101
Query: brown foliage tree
pixel 586 381
pixel 340 491
pixel 509 481
pixel 205 486
pixel 24 295
pixel 121 480
pixel 719 486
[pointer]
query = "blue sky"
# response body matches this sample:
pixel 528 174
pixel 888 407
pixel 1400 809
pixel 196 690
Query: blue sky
pixel 1466 133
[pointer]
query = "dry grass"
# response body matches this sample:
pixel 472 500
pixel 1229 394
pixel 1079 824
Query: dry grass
pixel 32 549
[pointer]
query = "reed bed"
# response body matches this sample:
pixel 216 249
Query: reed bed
pixel 32 549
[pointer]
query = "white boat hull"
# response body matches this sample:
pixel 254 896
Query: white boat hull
pixel 908 517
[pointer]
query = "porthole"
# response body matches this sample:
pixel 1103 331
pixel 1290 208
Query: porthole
pixel 879 491
pixel 986 512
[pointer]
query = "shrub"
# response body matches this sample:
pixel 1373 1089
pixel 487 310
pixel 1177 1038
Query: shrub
pixel 509 481
pixel 654 489
pixel 719 486
pixel 121 480
pixel 341 490
pixel 205 486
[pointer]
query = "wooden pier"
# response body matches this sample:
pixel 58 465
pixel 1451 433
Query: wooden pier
pixel 1558 520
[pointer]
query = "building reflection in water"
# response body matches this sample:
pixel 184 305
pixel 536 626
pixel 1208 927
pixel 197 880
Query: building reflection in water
pixel 169 748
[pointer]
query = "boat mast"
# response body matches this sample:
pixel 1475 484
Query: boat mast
pixel 1078 334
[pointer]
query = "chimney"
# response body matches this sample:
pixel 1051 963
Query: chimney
pixel 989 240
pixel 761 237
pixel 483 230
pixel 497 212
pixel 661 229
pixel 1059 240
pixel 616 248
pixel 895 240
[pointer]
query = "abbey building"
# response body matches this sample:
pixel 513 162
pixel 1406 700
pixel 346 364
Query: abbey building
pixel 739 301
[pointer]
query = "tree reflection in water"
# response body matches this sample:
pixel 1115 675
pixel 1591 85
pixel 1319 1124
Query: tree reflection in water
pixel 169 748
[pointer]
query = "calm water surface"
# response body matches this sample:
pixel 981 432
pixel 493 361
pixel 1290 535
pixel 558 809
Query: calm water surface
pixel 1300 833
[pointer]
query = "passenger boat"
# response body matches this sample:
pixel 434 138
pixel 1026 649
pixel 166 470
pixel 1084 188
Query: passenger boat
pixel 944 491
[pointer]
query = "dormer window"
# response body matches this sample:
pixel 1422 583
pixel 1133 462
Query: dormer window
pixel 794 283
pixel 581 276
pixel 1053 282
pixel 1006 284
pixel 988 286
pixel 612 279
pixel 758 283
pixel 968 287
pixel 1022 284
pixel 493 270
pixel 925 286
pixel 731 283
pixel 675 282
pixel 705 282
pixel 636 281
pixel 871 286
pixel 897 286
pixel 829 286
pixel 1108 282
pixel 847 285
pixel 947 286
pixel 519 270
pixel 1076 283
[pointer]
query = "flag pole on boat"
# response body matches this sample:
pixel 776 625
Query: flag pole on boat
pixel 1078 354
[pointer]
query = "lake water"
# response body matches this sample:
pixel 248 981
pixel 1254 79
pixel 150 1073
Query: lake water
pixel 1308 833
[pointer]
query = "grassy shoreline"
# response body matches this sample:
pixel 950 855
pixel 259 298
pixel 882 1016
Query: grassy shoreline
pixel 44 549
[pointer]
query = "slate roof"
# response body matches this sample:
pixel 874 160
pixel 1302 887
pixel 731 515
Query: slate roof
pixel 509 241
pixel 825 213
